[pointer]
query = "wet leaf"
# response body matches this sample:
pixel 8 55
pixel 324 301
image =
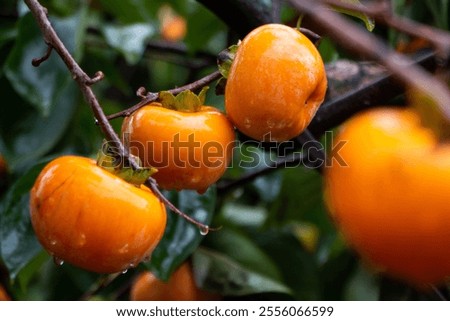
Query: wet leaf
pixel 129 40
pixel 42 86
pixel 181 238
pixel 18 244
pixel 217 272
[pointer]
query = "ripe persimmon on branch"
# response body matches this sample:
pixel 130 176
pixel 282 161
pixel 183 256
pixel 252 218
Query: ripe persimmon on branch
pixel 84 82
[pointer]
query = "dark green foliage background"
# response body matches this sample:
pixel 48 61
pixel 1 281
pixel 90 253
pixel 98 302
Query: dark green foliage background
pixel 277 240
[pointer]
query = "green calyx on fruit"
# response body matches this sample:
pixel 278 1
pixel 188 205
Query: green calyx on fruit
pixel 112 162
pixel 225 59
pixel 186 101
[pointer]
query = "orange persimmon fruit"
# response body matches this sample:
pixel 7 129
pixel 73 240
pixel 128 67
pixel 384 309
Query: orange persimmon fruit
pixel 88 217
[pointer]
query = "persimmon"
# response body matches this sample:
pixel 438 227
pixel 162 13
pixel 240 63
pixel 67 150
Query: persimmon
pixel 391 200
pixel 180 287
pixel 276 83
pixel 88 217
pixel 174 29
pixel 190 149
pixel 3 295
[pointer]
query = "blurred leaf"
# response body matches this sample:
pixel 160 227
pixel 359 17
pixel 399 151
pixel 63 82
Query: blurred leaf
pixel 217 272
pixel 244 215
pixel 42 86
pixel 129 11
pixel 335 273
pixel 205 31
pixel 27 273
pixel 301 199
pixel 27 135
pixel 181 238
pixel 18 243
pixel 369 22
pixel 298 267
pixel 250 256
pixel 363 286
pixel 129 40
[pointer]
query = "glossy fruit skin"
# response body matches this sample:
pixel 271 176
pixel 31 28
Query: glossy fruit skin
pixel 92 219
pixel 391 201
pixel 180 287
pixel 276 83
pixel 207 136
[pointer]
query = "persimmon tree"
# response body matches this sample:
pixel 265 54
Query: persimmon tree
pixel 71 71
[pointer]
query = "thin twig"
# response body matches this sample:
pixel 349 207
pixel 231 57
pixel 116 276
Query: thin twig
pixel 151 183
pixel 52 39
pixel 152 96
pixel 382 13
pixel 36 62
pixel 356 39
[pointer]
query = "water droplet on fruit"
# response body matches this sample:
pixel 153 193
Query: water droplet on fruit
pixel 53 242
pixel 124 271
pixel 81 241
pixel 95 121
pixel 204 230
pixel 247 123
pixel 58 261
pixel 270 123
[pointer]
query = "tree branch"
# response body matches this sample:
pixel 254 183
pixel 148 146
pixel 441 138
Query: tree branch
pixel 82 79
pixel 84 82
pixel 371 90
pixel 153 96
pixel 243 15
pixel 382 13
pixel 356 39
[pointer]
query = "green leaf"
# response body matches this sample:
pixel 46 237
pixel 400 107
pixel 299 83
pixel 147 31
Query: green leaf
pixel 217 272
pixel 298 267
pixel 250 256
pixel 18 244
pixel 42 86
pixel 205 32
pixel 363 286
pixel 181 238
pixel 301 199
pixel 369 22
pixel 25 134
pixel 129 40
pixel 129 11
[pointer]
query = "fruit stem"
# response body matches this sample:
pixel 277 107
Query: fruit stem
pixel 152 96
pixel 151 183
